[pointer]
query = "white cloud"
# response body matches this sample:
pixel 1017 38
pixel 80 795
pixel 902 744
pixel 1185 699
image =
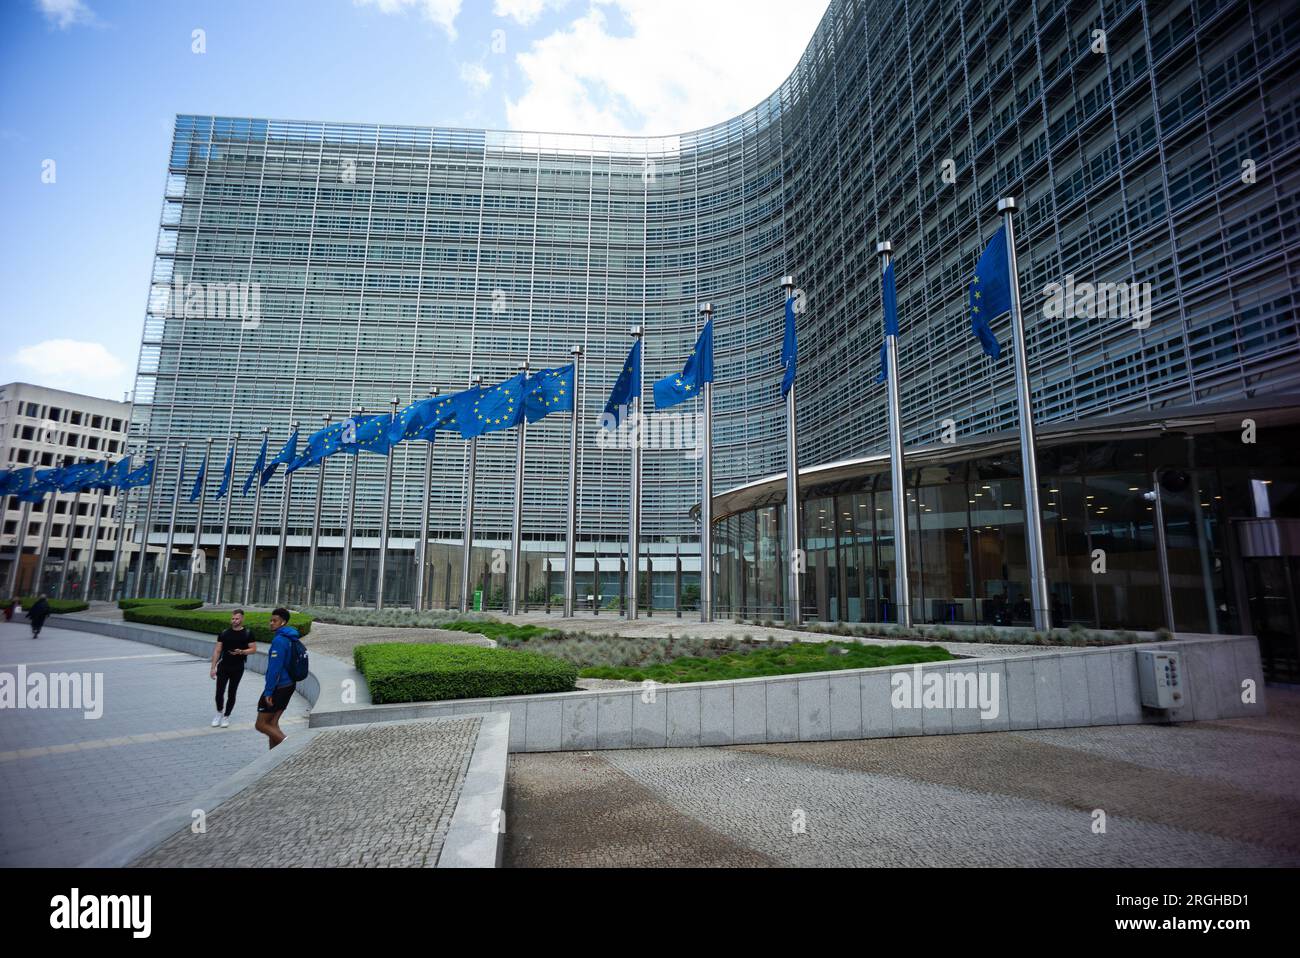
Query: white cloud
pixel 525 12
pixel 441 12
pixel 65 13
pixel 681 65
pixel 73 364
pixel 474 76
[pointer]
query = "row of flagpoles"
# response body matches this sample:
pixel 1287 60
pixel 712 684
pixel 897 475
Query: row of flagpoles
pixel 526 398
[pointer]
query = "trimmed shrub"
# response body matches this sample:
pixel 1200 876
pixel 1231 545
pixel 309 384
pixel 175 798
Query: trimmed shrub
pixel 214 622
pixel 405 672
pixel 165 603
pixel 774 659
pixel 57 606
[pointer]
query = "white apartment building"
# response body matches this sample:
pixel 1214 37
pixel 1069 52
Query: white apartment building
pixel 45 427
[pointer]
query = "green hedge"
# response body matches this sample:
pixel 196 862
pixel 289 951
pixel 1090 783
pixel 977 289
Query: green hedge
pixel 166 603
pixel 57 606
pixel 407 672
pixel 212 621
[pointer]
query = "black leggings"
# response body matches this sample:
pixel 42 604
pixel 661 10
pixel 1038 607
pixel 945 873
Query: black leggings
pixel 233 677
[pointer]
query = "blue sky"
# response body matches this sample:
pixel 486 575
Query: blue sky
pixel 94 86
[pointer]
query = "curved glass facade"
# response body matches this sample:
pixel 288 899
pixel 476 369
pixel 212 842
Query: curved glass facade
pixel 1231 511
pixel 386 259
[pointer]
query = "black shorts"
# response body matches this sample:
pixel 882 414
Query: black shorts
pixel 279 699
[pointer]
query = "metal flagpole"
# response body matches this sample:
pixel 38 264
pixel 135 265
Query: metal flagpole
pixel 467 543
pixel 706 499
pixel 902 587
pixel 18 549
pixel 148 521
pixel 1038 591
pixel 350 522
pixel 422 547
pixel 284 522
pixel 46 525
pixel 88 579
pixel 383 521
pixel 171 526
pixel 119 517
pixel 233 454
pixel 570 542
pixel 1162 552
pixel 794 555
pixel 516 545
pixel 634 512
pixel 198 520
pixel 68 541
pixel 315 526
pixel 251 559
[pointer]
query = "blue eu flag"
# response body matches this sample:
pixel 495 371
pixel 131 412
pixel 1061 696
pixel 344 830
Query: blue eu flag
pixel 140 477
pixel 197 489
pixel 40 482
pixel 672 390
pixel 18 481
pixel 422 418
pixel 287 454
pixel 889 296
pixel 226 474
pixel 368 434
pixel 789 347
pixel 114 478
pixel 480 411
pixel 78 477
pixel 548 391
pixel 990 291
pixel 258 466
pixel 626 388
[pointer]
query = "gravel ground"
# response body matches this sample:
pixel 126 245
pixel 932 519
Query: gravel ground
pixel 339 640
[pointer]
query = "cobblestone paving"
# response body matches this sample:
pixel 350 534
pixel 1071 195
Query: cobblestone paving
pixel 369 796
pixel 575 809
pixel 1218 794
pixel 71 787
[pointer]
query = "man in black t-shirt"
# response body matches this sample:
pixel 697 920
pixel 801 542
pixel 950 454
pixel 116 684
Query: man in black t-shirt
pixel 232 650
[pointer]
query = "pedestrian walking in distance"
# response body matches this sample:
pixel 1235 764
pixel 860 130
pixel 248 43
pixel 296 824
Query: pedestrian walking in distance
pixel 38 613
pixel 234 646
pixel 286 666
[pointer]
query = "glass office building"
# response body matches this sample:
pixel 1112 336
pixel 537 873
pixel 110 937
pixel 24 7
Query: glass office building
pixel 1145 142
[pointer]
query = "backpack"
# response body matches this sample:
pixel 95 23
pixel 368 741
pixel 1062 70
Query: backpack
pixel 296 661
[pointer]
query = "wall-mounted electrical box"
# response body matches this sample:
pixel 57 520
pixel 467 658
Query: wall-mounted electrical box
pixel 1160 679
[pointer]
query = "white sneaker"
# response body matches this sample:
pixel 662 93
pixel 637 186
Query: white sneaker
pixel 216 720
pixel 225 721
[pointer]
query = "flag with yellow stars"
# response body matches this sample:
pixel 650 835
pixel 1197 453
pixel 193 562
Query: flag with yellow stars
pixel 626 388
pixel 889 302
pixel 369 434
pixel 288 454
pixel 689 383
pixel 258 467
pixel 324 442
pixel 548 391
pixel 479 411
pixel 422 418
pixel 990 292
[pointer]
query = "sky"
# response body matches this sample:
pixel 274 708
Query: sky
pixel 89 91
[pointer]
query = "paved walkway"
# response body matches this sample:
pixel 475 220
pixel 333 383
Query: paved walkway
pixel 70 787
pixel 378 795
pixel 1222 793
